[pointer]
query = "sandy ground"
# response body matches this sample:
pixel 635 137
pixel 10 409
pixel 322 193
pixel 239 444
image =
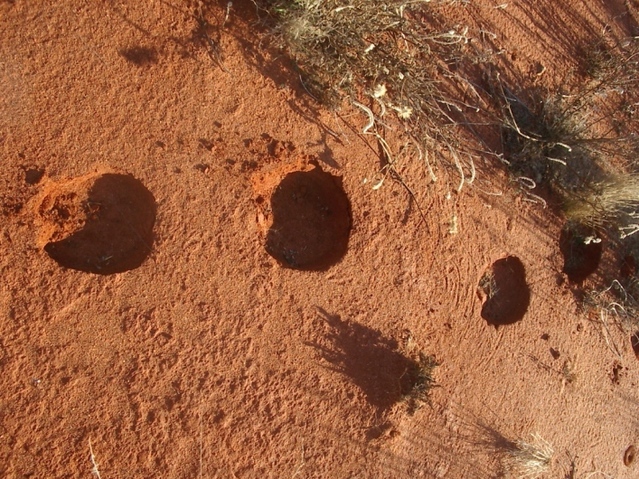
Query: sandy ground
pixel 157 309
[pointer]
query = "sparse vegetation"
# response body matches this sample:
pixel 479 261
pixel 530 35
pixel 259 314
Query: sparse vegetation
pixel 384 49
pixel 577 150
pixel 488 285
pixel 528 458
pixel 611 202
pixel 391 59
pixel 614 201
pixel 420 381
pixel 581 146
pixel 520 458
pixel 618 302
pixel 214 324
pixel 388 58
pixel 568 374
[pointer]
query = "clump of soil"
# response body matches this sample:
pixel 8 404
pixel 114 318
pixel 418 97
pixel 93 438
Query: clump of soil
pixel 101 223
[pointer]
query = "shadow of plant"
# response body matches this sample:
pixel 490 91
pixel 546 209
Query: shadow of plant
pixel 376 365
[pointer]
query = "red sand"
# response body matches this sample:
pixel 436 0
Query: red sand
pixel 212 359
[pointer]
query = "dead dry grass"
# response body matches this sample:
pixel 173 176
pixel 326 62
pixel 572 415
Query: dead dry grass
pixel 528 458
pixel 391 60
pixel 94 470
pixel 581 146
pixel 396 61
pixel 611 203
pixel 420 378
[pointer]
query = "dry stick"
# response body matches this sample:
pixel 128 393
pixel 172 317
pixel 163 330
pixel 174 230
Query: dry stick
pixel 453 152
pixel 608 337
pixel 616 284
pixel 592 474
pixel 212 47
pixel 229 5
pixel 531 185
pixel 603 315
pixel 369 113
pixel 201 443
pixel 626 231
pixel 516 126
pixel 389 158
pixel 473 172
pixel 307 90
pixel 95 470
pixel 301 464
pixel 399 178
pixel 425 158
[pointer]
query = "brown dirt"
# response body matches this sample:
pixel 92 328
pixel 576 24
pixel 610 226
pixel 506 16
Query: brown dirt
pixel 195 351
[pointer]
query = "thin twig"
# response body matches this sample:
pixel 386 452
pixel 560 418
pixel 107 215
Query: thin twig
pixel 369 113
pixel 95 471
pixel 301 464
pixel 201 445
pixel 608 337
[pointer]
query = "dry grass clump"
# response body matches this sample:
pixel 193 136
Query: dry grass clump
pixel 618 307
pixel 552 140
pixel 400 64
pixel 613 64
pixel 604 193
pixel 528 459
pixel 420 381
pixel 614 201
pixel 389 58
pixel 581 146
pixel 384 48
pixel 520 458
